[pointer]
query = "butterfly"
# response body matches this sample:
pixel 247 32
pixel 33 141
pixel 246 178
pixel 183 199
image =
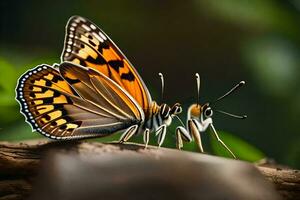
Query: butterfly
pixel 94 92
pixel 199 119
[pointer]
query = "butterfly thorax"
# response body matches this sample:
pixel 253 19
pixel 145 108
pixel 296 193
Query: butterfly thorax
pixel 157 115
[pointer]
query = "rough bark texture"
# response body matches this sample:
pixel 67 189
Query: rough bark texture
pixel 287 181
pixel 20 164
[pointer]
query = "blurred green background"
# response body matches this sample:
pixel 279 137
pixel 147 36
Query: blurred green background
pixel 224 41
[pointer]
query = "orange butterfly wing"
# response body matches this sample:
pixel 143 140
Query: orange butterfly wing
pixel 89 46
pixel 74 103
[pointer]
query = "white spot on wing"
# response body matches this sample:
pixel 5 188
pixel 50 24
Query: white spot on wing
pixel 98 37
pixel 86 27
pixel 93 26
pixel 77 20
pixel 102 35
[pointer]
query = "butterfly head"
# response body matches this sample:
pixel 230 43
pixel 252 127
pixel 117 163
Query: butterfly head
pixel 197 111
pixel 176 109
pixel 167 111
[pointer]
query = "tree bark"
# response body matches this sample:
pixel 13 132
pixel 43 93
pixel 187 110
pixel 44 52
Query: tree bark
pixel 20 164
pixel 286 181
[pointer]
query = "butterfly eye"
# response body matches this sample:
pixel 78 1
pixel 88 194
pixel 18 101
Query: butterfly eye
pixel 178 110
pixel 165 111
pixel 208 112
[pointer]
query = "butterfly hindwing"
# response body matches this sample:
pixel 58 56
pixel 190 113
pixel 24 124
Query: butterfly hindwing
pixel 89 46
pixel 55 109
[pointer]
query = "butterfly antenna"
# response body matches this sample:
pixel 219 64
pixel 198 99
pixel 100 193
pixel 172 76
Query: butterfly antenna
pixel 237 86
pixel 198 88
pixel 162 85
pixel 232 115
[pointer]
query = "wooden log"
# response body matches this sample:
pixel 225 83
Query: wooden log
pixel 20 163
pixel 286 181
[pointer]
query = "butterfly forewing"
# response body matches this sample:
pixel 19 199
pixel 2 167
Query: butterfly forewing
pixel 58 111
pixel 89 46
pixel 101 91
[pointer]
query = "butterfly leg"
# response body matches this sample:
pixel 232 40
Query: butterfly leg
pixel 161 132
pixel 182 135
pixel 146 137
pixel 194 128
pixel 203 124
pixel 221 142
pixel 128 133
